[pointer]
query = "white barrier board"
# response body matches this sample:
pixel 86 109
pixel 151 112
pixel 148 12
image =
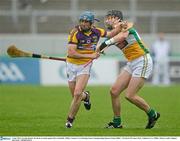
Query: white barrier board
pixel 104 71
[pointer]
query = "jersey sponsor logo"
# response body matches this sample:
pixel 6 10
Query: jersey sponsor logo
pixel 88 41
pixel 87 47
pixel 82 41
pixel 95 39
pixel 80 47
pixel 11 72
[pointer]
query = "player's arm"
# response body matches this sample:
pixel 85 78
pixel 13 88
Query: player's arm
pixel 72 47
pixel 118 38
pixel 74 54
pixel 113 32
pixel 119 27
pixel 116 27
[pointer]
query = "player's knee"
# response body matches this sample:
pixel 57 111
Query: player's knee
pixel 114 92
pixel 77 93
pixel 77 98
pixel 129 97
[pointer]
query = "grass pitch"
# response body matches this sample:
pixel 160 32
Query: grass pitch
pixel 42 111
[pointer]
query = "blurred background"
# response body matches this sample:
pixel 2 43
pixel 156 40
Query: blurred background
pixel 42 26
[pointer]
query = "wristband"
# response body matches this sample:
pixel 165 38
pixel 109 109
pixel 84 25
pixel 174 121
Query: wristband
pixel 102 46
pixel 107 43
pixel 110 42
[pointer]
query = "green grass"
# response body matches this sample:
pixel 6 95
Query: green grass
pixel 42 111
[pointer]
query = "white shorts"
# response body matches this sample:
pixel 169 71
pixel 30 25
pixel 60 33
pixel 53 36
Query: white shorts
pixel 74 70
pixel 140 67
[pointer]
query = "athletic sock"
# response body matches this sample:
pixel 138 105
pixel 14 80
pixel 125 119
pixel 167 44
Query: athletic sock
pixel 117 120
pixel 151 113
pixel 86 99
pixel 70 119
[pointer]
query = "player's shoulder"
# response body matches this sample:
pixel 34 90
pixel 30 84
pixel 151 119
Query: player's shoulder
pixel 99 31
pixel 131 28
pixel 73 30
pixel 97 28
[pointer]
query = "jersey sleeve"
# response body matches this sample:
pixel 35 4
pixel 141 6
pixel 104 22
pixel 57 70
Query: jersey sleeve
pixel 72 37
pixel 102 31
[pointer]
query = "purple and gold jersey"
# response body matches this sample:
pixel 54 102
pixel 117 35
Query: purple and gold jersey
pixel 86 42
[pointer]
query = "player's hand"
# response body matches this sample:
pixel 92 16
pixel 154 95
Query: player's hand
pixel 126 25
pixel 95 55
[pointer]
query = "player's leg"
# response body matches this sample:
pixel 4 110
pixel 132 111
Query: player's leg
pixel 131 94
pixel 85 95
pixel 71 76
pixel 72 85
pixel 120 85
pixel 135 84
pixel 142 69
pixel 81 82
pixel 72 72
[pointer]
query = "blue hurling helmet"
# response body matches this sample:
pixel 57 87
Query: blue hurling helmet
pixel 88 16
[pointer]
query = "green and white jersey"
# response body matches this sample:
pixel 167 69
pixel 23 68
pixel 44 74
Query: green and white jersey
pixel 133 47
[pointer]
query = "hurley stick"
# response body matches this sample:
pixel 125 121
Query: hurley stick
pixel 13 51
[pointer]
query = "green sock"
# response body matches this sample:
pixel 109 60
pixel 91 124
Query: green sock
pixel 151 113
pixel 117 120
